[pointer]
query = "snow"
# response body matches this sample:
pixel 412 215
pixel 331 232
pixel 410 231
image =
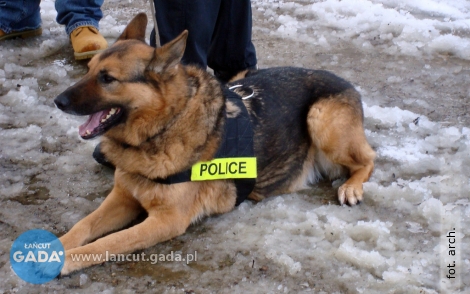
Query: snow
pixel 409 59
pixel 396 27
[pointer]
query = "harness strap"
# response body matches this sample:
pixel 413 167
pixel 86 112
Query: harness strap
pixel 237 142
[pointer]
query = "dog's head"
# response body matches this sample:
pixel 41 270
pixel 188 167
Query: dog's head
pixel 127 83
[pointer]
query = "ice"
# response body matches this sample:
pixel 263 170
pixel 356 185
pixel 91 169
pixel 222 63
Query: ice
pixel 389 116
pixel 451 44
pixel 431 211
pixel 370 260
pixel 407 27
pixel 408 59
pixel 83 279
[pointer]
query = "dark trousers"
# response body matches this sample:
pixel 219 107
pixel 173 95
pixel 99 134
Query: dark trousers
pixel 219 31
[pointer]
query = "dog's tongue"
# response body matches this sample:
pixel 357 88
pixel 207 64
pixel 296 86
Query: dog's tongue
pixel 92 123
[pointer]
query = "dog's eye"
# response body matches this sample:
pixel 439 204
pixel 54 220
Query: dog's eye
pixel 105 78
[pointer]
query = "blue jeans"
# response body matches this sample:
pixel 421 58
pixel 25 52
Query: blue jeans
pixel 78 13
pixel 18 15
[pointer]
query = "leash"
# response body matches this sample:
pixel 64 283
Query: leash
pixel 157 36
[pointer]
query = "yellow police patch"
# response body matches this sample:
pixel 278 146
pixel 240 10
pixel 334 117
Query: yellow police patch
pixel 225 168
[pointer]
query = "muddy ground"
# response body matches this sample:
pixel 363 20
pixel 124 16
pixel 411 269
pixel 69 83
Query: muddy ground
pixel 441 81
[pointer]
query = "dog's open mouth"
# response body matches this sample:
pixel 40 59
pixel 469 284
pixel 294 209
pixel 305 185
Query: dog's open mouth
pixel 99 122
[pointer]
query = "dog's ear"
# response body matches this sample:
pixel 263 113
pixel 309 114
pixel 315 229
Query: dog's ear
pixel 169 55
pixel 135 29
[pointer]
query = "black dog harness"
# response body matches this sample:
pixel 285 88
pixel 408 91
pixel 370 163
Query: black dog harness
pixel 234 159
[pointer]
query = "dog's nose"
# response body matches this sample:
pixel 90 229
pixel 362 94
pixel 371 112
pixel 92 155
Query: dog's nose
pixel 62 101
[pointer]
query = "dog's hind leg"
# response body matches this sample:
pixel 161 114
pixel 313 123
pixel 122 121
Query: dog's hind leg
pixel 336 128
pixel 117 210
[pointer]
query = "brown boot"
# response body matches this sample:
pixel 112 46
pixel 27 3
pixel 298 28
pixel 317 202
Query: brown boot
pixel 22 34
pixel 87 42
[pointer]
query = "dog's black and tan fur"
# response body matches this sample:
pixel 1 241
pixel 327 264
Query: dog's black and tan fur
pixel 307 123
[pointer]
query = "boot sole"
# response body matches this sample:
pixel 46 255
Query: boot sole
pixel 22 34
pixel 86 55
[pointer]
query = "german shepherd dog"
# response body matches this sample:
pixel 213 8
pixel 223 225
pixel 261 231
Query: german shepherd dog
pixel 159 118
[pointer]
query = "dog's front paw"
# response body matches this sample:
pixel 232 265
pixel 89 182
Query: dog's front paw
pixel 350 194
pixel 66 269
pixel 72 264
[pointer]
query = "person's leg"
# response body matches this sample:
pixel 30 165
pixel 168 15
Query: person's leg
pixel 231 49
pixel 196 16
pixel 81 19
pixel 78 13
pixel 19 16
